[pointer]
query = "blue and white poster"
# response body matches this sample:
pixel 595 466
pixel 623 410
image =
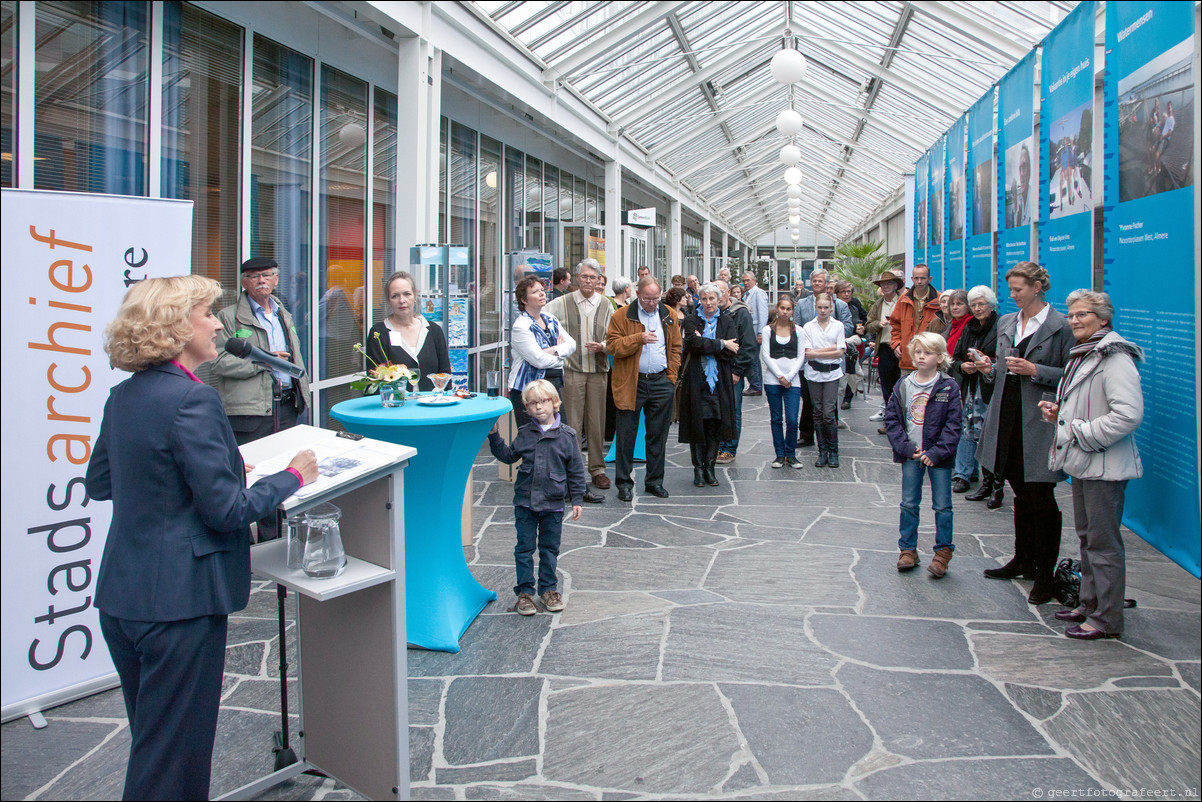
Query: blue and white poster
pixel 957 212
pixel 938 212
pixel 978 256
pixel 1016 167
pixel 1066 161
pixel 921 218
pixel 1149 230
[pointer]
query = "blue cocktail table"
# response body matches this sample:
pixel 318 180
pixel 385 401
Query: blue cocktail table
pixel 442 598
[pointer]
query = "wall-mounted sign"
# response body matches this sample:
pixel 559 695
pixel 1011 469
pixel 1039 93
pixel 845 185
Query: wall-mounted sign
pixel 640 217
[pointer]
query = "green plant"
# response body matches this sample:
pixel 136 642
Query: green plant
pixel 862 263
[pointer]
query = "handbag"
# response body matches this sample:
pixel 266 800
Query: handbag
pixel 678 391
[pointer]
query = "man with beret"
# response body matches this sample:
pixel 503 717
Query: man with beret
pixel 251 393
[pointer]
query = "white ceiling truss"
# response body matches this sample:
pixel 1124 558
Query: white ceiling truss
pixel 688 82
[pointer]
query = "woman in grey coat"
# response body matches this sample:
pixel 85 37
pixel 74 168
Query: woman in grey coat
pixel 1032 346
pixel 1098 407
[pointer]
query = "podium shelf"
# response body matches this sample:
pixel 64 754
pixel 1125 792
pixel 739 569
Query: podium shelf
pixel 270 560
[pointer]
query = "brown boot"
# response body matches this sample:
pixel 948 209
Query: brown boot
pixel 907 560
pixel 938 566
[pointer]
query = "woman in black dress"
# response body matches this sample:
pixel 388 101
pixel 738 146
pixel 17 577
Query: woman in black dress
pixel 407 337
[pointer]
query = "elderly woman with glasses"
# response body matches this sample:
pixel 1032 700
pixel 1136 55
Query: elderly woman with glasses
pixel 978 336
pixel 1098 407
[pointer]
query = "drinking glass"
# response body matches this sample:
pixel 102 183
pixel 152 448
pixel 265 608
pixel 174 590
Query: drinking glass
pixel 1046 400
pixel 492 380
pixel 440 382
pixel 415 376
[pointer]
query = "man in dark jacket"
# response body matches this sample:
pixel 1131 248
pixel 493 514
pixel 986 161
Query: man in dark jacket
pixel 749 351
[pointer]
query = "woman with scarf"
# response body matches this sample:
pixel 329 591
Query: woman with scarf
pixel 1098 407
pixel 974 326
pixel 538 346
pixel 706 387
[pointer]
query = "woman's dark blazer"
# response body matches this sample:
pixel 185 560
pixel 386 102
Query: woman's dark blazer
pixel 432 358
pixel 179 543
pixel 697 348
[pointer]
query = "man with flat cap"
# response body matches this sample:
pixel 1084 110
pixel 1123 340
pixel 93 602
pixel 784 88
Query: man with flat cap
pixel 252 393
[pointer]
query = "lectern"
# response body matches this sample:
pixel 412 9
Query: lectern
pixel 351 675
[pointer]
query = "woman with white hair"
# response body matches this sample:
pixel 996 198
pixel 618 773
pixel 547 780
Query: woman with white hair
pixel 621 286
pixel 1098 407
pixel 979 336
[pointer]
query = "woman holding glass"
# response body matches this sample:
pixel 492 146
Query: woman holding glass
pixel 537 343
pixel 1033 345
pixel 406 336
pixel 1098 407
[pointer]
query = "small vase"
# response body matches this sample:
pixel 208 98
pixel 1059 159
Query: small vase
pixel 391 396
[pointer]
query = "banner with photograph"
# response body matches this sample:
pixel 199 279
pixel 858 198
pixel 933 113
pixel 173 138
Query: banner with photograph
pixel 1149 224
pixel 957 212
pixel 937 172
pixel 978 256
pixel 77 255
pixel 921 218
pixel 1017 160
pixel 1066 110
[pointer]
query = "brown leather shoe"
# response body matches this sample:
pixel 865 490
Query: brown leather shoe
pixel 938 566
pixel 601 481
pixel 907 560
pixel 882 430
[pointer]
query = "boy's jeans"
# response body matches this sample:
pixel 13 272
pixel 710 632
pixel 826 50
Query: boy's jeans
pixel 941 502
pixel 543 528
pixel 784 421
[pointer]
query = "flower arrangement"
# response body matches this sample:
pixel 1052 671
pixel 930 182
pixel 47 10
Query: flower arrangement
pixel 380 374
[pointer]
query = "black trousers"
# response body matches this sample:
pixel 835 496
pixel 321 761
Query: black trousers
pixel 888 370
pixel 171 678
pixel 654 400
pixel 520 416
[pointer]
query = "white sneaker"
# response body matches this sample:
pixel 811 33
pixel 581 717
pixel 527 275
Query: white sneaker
pixel 779 462
pixel 878 415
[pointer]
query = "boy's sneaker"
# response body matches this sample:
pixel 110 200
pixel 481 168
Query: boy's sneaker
pixel 793 462
pixel 552 601
pixel 525 605
pixel 725 458
pixel 938 566
pixel 907 560
pixel 878 415
pixel 779 462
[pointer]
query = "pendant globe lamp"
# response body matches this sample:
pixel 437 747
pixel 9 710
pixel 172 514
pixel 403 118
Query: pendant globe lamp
pixel 790 155
pixel 788 66
pixel 793 176
pixel 789 122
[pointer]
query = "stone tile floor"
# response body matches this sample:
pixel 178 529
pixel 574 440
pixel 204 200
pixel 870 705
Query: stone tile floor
pixel 747 641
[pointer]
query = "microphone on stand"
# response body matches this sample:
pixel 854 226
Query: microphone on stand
pixel 244 350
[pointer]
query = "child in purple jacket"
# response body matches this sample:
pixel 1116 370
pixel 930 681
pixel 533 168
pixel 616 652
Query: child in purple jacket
pixel 923 420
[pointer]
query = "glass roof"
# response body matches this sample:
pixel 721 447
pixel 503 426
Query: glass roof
pixel 689 83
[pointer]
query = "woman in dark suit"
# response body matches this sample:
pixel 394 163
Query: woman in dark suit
pixel 1033 346
pixel 707 402
pixel 177 559
pixel 407 337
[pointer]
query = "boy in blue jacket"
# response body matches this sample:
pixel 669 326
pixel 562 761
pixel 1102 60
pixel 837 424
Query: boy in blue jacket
pixel 551 471
pixel 923 419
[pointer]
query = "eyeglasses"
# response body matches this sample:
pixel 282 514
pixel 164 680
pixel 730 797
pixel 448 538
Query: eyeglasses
pixel 1079 315
pixel 261 274
pixel 583 277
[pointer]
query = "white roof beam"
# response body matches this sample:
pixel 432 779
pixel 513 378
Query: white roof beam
pixel 605 44
pixel 764 93
pixel 960 23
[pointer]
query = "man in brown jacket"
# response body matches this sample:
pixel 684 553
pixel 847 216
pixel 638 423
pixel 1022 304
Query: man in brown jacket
pixel 916 311
pixel 644 340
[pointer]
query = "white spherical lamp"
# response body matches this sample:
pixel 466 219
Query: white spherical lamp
pixel 793 176
pixel 789 122
pixel 793 191
pixel 790 155
pixel 794 236
pixel 788 66
pixel 352 135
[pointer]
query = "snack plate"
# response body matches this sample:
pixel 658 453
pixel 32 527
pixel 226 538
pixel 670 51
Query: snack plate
pixel 438 400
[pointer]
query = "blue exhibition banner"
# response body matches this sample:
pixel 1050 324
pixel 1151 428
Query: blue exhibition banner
pixel 1066 159
pixel 921 218
pixel 937 170
pixel 1016 164
pixel 978 259
pixel 1149 225
pixel 957 212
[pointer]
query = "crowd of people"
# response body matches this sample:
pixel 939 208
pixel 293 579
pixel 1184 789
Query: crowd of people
pixel 965 398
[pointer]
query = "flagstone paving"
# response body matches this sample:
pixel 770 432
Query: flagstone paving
pixel 750 641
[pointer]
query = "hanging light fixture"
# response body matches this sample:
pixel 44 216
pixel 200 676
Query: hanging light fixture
pixel 789 122
pixel 793 176
pixel 793 191
pixel 788 66
pixel 490 178
pixel 790 155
